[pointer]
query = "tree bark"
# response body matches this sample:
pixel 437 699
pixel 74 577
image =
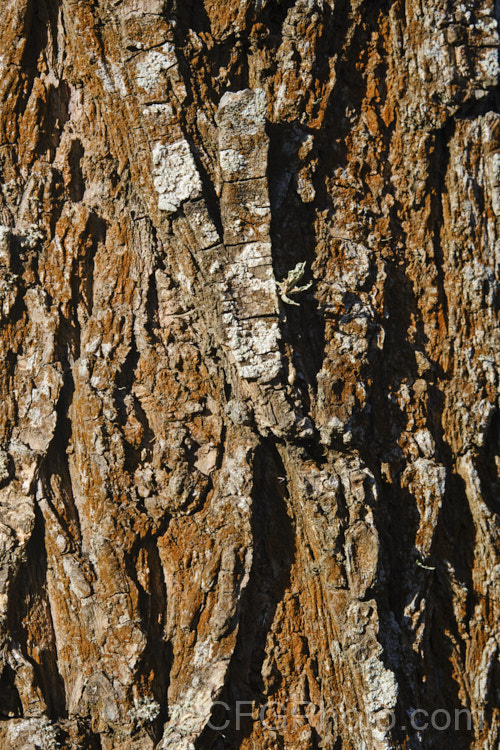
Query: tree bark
pixel 249 491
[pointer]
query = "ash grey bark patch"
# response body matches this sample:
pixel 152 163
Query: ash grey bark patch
pixel 249 289
pixel 176 178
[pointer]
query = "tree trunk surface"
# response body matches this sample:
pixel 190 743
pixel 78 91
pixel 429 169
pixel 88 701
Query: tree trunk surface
pixel 249 494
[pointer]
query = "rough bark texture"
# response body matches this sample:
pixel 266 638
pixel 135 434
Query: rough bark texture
pixel 208 495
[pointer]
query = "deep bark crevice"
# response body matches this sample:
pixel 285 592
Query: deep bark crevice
pixel 273 556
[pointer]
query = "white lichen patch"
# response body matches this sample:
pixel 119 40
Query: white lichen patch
pixel 231 161
pixel 488 65
pixel 4 466
pixel 159 119
pixel 153 63
pixel 5 241
pixel 244 110
pixel 31 236
pixel 158 110
pixel 254 344
pixel 144 711
pixel 176 178
pixel 425 442
pixel 251 271
pixel 381 694
pixel 36 732
pixel 250 312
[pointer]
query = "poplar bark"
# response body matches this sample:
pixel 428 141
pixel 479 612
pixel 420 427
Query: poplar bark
pixel 249 357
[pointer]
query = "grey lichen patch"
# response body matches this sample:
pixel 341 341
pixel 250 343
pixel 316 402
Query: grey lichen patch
pixel 5 246
pixel 253 345
pixel 245 110
pixel 153 63
pixel 144 711
pixel 4 466
pixel 238 412
pixel 250 312
pixel 248 286
pixel 9 292
pixel 231 161
pixel 30 733
pixel 176 178
pixel 243 142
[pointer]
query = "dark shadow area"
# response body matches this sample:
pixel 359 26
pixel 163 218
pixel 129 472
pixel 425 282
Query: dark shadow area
pixel 77 184
pixel 293 239
pixel 54 472
pixel 83 279
pixel 153 669
pixel 425 674
pixel 293 220
pixel 128 405
pixel 488 464
pixel 274 551
pixel 10 703
pixel 31 597
pixel 41 30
